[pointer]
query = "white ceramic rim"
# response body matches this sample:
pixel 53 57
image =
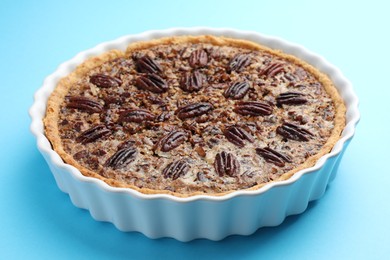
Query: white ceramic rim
pixel 38 109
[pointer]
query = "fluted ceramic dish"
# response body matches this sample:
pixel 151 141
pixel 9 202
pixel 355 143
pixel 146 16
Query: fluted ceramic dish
pixel 201 216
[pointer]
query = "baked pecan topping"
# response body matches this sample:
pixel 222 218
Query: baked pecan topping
pixel 176 169
pixel 196 117
pixel 192 81
pixel 273 156
pixel 136 115
pixel 294 132
pixel 152 83
pixel 193 110
pixel 122 158
pixel 239 62
pixel 253 108
pixel 93 134
pixel 237 135
pixel 237 90
pixel 105 81
pixel 146 64
pixel 226 164
pixel 172 140
pixel 291 98
pixel 84 103
pixel 198 59
pixel 272 69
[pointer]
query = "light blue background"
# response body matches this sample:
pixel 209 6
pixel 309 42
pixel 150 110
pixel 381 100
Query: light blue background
pixel 351 221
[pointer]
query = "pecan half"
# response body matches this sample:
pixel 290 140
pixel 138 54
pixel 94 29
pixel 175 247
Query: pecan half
pixel 93 134
pixel 193 110
pixel 273 156
pixel 146 64
pixel 105 81
pixel 253 108
pixel 272 69
pixel 237 135
pixel 172 140
pixel 291 98
pixel 198 59
pixel 237 90
pixel 294 132
pixel 239 62
pixel 122 158
pixel 226 164
pixel 152 83
pixel 192 81
pixel 136 115
pixel 84 103
pixel 176 169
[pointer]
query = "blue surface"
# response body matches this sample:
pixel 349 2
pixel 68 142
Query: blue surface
pixel 38 221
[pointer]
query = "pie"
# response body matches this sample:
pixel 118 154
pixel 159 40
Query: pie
pixel 189 115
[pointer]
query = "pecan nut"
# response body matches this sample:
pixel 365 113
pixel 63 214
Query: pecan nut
pixel 146 64
pixel 105 81
pixel 272 69
pixel 291 98
pixel 152 83
pixel 226 164
pixel 237 135
pixel 237 90
pixel 198 59
pixel 122 158
pixel 93 134
pixel 294 132
pixel 84 103
pixel 176 169
pixel 136 115
pixel 273 156
pixel 172 140
pixel 239 62
pixel 253 108
pixel 192 81
pixel 193 110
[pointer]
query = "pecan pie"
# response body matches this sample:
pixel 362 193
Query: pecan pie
pixel 193 115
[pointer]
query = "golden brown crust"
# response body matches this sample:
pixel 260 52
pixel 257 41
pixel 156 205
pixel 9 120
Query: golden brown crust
pixel 59 93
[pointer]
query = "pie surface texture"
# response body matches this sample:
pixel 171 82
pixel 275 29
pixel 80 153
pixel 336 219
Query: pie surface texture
pixel 193 115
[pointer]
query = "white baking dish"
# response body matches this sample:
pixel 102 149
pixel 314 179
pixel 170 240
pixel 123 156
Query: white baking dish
pixel 201 216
